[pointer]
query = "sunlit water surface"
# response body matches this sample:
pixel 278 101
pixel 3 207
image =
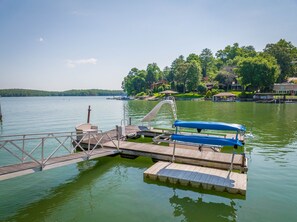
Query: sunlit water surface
pixel 113 189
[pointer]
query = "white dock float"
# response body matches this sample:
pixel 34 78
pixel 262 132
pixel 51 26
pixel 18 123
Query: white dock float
pixel 195 176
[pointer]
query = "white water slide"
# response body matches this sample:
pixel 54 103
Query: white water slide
pixel 152 114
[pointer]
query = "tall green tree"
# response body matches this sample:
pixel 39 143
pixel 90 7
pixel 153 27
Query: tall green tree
pixel 194 74
pixel 259 72
pixel 134 82
pixel 247 51
pixel 167 74
pixel 228 53
pixel 186 73
pixel 177 70
pixel 153 74
pixel 226 78
pixel 207 62
pixel 286 55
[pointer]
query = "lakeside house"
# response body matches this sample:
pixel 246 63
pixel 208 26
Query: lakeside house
pixel 224 97
pixel 287 88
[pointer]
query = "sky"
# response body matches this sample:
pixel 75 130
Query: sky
pixel 92 44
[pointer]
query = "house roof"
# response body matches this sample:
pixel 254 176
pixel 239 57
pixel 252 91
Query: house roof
pixel 168 92
pixel 224 94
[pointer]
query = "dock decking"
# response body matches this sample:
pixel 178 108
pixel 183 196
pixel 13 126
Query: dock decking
pixel 188 156
pixel 195 176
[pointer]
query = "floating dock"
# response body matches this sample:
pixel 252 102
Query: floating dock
pixel 196 176
pixel 192 166
pixel 182 155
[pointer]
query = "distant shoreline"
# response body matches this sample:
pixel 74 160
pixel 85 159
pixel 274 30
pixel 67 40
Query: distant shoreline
pixel 73 92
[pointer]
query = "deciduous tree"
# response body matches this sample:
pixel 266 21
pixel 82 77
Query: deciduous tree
pixel 259 72
pixel 286 56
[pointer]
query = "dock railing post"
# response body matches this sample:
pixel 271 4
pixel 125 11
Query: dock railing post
pixel 174 145
pixel 89 144
pixel 71 136
pixel 23 148
pixel 173 157
pixel 118 129
pixel 42 152
pixel 232 159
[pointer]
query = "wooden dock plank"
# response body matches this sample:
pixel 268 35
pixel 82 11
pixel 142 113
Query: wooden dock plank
pixel 196 176
pixel 182 155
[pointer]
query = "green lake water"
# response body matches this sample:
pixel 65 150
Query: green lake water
pixel 113 189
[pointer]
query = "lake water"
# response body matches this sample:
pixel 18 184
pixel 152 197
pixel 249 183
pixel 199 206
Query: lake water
pixel 113 189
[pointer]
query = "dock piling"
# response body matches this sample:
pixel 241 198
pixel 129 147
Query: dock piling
pixel 89 112
pixel 0 113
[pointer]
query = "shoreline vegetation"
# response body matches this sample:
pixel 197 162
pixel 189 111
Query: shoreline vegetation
pixel 73 92
pixel 235 68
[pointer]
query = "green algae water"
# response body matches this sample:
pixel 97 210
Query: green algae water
pixel 113 189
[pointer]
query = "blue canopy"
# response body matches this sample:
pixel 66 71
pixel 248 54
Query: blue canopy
pixel 209 125
pixel 210 140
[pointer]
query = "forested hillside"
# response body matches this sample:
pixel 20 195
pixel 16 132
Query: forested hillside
pixel 241 65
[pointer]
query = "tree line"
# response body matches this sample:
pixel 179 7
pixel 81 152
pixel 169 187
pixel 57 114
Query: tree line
pixel 254 71
pixel 79 92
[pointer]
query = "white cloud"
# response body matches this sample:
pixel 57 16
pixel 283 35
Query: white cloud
pixel 73 63
pixel 40 39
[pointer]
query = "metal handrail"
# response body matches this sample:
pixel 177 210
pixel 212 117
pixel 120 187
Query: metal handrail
pixel 38 136
pixel 24 153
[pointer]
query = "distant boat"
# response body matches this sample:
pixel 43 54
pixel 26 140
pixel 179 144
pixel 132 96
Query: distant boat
pixel 119 98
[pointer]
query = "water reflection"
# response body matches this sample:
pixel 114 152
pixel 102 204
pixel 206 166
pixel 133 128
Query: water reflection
pixel 90 188
pixel 89 171
pixel 199 210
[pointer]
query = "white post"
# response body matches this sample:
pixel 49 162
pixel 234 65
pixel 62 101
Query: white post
pixel 42 152
pixel 118 129
pixel 173 155
pixel 124 121
pixel 23 148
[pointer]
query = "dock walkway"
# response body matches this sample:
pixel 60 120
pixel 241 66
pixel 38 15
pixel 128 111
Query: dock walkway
pixel 10 171
pixel 99 145
pixel 195 176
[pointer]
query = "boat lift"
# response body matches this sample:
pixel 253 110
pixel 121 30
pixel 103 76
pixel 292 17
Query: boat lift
pixel 207 140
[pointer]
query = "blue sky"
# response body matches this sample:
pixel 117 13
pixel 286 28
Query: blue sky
pixel 71 44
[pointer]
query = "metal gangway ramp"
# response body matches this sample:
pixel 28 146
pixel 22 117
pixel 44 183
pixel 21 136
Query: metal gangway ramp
pixel 25 154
